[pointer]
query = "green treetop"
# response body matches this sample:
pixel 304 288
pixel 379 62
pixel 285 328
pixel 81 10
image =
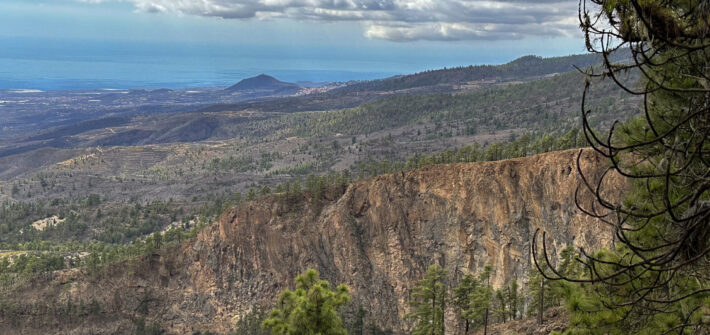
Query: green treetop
pixel 310 309
pixel 428 303
pixel 461 299
pixel 480 300
pixel 656 279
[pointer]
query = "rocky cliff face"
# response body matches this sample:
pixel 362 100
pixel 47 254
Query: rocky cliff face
pixel 378 236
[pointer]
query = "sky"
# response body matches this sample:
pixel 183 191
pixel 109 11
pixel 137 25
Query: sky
pixel 177 41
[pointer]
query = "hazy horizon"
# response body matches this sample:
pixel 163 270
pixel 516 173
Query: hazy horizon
pixel 91 44
pixel 64 64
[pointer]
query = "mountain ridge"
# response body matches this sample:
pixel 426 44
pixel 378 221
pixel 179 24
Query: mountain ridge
pixel 376 235
pixel 522 68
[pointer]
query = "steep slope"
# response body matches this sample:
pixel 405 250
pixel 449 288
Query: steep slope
pixel 377 235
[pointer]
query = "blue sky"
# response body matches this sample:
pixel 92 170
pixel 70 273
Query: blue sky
pixel 375 36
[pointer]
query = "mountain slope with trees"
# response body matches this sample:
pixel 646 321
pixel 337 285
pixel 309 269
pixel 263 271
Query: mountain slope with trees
pixel 377 236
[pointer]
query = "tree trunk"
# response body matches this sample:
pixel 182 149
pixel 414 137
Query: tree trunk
pixel 433 314
pixel 443 311
pixel 541 303
pixel 485 324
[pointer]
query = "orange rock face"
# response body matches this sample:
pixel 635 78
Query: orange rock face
pixel 378 236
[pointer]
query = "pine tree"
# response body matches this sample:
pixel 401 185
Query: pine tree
pixel 501 306
pixel 655 279
pixel 312 308
pixel 540 293
pixel 251 195
pixel 462 297
pixel 157 240
pixel 428 302
pixel 513 299
pixel 481 299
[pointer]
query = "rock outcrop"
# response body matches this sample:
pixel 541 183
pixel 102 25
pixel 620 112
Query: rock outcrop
pixel 377 236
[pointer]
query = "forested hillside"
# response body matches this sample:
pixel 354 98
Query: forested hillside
pixel 81 198
pixel 521 69
pixel 546 105
pixel 377 235
pixel 115 180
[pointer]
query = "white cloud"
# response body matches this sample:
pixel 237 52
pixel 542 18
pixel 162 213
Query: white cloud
pixel 398 20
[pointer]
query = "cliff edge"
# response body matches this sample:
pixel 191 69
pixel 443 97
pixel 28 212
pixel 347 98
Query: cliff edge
pixel 377 236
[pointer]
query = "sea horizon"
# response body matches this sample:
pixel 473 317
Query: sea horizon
pixel 86 64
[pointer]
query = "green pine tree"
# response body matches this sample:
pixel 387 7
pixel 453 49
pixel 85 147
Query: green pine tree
pixel 501 306
pixel 513 299
pixel 656 279
pixel 540 288
pixel 480 300
pixel 428 302
pixel 462 297
pixel 310 309
pixel 251 195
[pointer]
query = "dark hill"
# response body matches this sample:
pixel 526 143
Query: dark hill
pixel 525 68
pixel 263 82
pixel 447 80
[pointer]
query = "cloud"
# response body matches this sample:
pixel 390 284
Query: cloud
pixel 398 20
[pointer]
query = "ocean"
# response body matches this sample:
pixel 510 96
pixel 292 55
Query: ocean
pixel 60 65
